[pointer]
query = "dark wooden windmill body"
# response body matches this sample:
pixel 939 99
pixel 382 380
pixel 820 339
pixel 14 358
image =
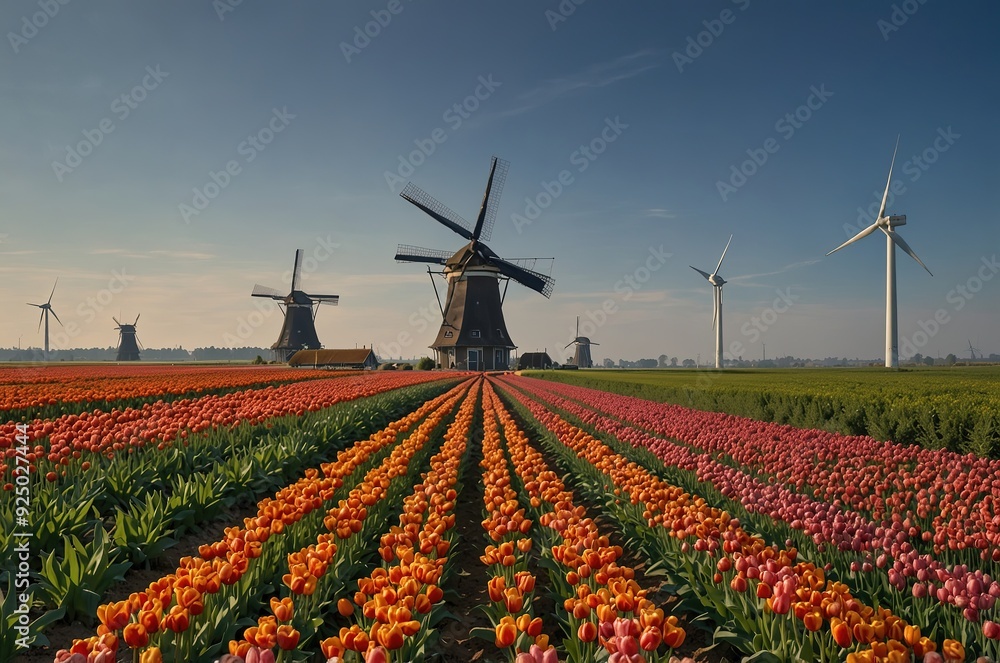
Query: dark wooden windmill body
pixel 298 331
pixel 128 341
pixel 581 356
pixel 473 334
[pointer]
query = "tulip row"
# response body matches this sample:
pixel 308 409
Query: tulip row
pixel 511 587
pixel 396 602
pixel 185 615
pixel 912 582
pixel 942 499
pixel 89 435
pixel 87 387
pixel 783 583
pixel 607 611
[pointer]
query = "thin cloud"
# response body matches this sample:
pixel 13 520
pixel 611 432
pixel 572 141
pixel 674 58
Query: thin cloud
pixel 742 280
pixel 595 76
pixel 658 213
pixel 185 255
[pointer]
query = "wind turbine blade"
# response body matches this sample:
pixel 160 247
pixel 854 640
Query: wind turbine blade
pixel 901 243
pixel 864 233
pixel 705 274
pixel 723 254
pixel 885 196
pixel 56 317
pixel 297 269
pixel 53 290
pixel 40 320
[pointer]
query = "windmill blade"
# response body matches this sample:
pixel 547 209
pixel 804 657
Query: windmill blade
pixel 264 291
pixel 526 277
pixel 52 311
pixel 592 343
pixel 136 320
pixel 705 274
pixel 116 321
pixel 296 270
pixel 901 243
pixel 333 300
pixel 408 253
pixel 491 199
pixel 864 233
pixel 53 291
pixel 885 196
pixel 723 255
pixel 569 344
pixel 436 210
pixel 578 326
pixel 139 342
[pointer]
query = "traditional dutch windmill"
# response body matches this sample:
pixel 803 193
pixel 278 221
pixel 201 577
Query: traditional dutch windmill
pixel 473 333
pixel 128 341
pixel 581 358
pixel 299 329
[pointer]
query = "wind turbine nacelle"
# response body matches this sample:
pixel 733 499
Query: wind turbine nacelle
pixel 897 220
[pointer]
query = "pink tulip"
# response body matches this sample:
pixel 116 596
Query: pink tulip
pixel 524 658
pixel 377 655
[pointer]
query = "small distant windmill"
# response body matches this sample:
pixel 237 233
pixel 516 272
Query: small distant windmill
pixel 717 283
pixel 46 309
pixel 973 351
pixel 888 223
pixel 581 357
pixel 299 329
pixel 128 341
pixel 473 333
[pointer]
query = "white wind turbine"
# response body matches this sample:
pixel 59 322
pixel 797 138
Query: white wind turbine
pixel 717 283
pixel 887 225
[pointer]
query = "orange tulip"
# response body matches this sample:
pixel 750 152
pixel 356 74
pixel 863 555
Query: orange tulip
pixel 288 637
pixel 135 635
pixel 841 632
pixel 953 651
pixel 506 633
pixel 587 632
pixel 151 655
pixel 813 620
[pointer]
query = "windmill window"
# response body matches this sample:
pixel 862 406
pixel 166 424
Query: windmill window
pixel 448 334
pixel 475 333
pixel 500 333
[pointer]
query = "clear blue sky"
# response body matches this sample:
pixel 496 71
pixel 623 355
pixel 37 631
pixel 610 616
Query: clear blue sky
pixel 347 114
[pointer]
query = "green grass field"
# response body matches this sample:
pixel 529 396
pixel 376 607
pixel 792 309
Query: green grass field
pixel 957 408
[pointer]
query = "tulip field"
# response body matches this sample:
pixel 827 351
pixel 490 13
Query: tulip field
pixel 268 515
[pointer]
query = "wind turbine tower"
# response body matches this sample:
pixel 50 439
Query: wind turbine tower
pixel 717 283
pixel 46 310
pixel 888 224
